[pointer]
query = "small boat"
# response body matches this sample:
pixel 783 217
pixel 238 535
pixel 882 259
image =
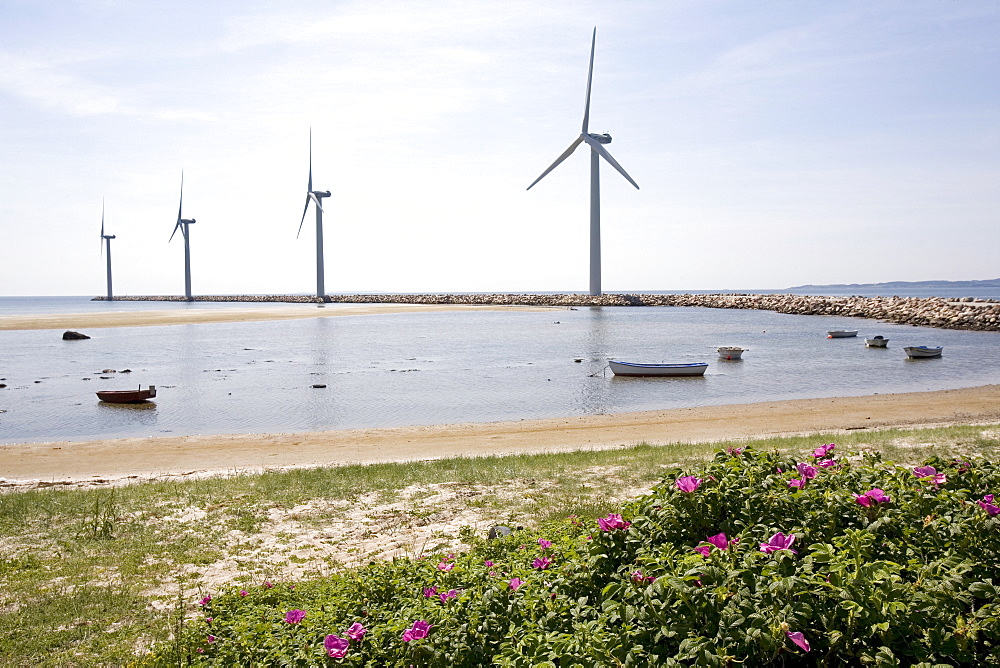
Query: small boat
pixel 841 333
pixel 633 369
pixel 923 351
pixel 127 396
pixel 730 352
pixel 877 342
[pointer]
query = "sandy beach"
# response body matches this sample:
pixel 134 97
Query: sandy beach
pixel 109 461
pixel 82 321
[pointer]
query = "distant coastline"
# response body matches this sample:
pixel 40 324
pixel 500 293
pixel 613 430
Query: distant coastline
pixel 912 285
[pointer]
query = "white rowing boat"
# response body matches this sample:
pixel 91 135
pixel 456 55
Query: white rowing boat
pixel 634 369
pixel 923 351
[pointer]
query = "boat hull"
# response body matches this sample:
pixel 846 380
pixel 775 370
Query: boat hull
pixel 877 343
pixel 914 352
pixel 730 352
pixel 841 333
pixel 672 370
pixel 127 396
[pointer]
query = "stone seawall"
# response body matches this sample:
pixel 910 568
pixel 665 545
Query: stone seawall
pixel 964 313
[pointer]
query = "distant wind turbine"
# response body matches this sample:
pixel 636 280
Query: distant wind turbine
pixel 106 240
pixel 597 151
pixel 315 196
pixel 182 225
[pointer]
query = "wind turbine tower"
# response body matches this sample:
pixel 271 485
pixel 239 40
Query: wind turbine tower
pixel 596 142
pixel 316 197
pixel 106 241
pixel 183 225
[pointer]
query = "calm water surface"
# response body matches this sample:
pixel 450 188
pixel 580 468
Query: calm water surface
pixel 462 366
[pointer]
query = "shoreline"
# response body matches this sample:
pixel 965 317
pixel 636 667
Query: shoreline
pixel 121 461
pixel 154 318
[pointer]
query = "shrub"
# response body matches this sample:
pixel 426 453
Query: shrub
pixel 757 559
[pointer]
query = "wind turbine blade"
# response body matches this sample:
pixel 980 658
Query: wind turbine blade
pixel 566 154
pixel 310 186
pixel 590 77
pixel 174 232
pixel 102 227
pixel 306 208
pixel 319 205
pixel 180 207
pixel 597 146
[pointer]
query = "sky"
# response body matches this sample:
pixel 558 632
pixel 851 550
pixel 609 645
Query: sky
pixel 775 143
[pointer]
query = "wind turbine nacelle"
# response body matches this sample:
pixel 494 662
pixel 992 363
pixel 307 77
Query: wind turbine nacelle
pixel 321 193
pixel 188 221
pixel 600 137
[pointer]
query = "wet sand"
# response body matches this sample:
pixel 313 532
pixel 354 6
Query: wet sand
pixel 109 461
pixel 83 321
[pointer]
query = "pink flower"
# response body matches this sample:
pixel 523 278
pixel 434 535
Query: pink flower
pixel 210 639
pixel 806 471
pixel 451 593
pixel 799 639
pixel 546 544
pixel 925 472
pixel 780 470
pixel 688 483
pixel 356 631
pixel 244 592
pixel 445 566
pixel 639 578
pixel 874 495
pixel 205 601
pixel 735 452
pixel 612 521
pixel 778 542
pixel 268 585
pixel 720 541
pixel 430 592
pixel 542 563
pixel 417 631
pixel 827 463
pixel 987 504
pixel 336 648
pixel 795 482
pixel 488 563
pixel 515 583
pixel 823 450
pixel 703 550
pixel 295 616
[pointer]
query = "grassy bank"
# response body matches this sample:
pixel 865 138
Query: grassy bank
pixel 96 576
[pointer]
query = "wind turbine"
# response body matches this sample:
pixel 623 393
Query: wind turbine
pixel 597 151
pixel 315 196
pixel 182 225
pixel 106 240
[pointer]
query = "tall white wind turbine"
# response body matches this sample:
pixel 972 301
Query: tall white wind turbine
pixel 316 197
pixel 597 151
pixel 182 225
pixel 106 241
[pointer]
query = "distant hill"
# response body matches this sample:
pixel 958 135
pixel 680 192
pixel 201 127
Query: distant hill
pixel 917 285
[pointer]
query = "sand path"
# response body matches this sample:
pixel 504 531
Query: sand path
pixel 100 462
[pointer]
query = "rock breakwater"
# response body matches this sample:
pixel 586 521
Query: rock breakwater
pixel 964 313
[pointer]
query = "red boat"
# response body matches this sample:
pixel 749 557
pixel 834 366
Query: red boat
pixel 127 396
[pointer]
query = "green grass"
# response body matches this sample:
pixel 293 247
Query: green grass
pixel 94 576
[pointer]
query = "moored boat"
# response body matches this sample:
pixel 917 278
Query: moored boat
pixel 730 352
pixel 923 351
pixel 841 333
pixel 127 396
pixel 877 342
pixel 634 369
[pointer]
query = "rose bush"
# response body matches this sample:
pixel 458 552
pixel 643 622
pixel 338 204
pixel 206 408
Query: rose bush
pixel 869 563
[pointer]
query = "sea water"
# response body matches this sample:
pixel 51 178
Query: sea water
pixel 386 370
